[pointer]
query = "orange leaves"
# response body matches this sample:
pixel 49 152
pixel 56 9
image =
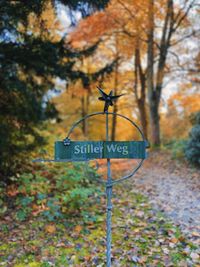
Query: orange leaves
pixel 174 240
pixel 37 209
pixel 50 228
pixel 118 18
pixel 91 29
pixel 78 229
pixel 12 190
pixel 175 123
pixel 187 100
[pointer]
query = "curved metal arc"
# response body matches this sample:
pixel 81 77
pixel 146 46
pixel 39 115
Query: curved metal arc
pixel 103 113
pixel 82 119
pixel 124 177
pixel 98 180
pixel 122 116
pixel 129 175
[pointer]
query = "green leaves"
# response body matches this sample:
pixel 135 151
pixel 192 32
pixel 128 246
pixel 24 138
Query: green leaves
pixel 22 214
pixel 67 224
pixel 54 198
pixel 192 149
pixel 30 62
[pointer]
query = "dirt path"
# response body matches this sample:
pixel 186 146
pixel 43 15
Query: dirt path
pixel 173 188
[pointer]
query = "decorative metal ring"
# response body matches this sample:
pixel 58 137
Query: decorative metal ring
pixel 103 113
pixel 124 117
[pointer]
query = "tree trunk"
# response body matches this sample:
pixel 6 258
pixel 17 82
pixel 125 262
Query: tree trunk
pixel 114 123
pixel 84 112
pixel 143 117
pixel 140 97
pixel 154 91
pixel 155 122
pixel 153 97
pixel 115 108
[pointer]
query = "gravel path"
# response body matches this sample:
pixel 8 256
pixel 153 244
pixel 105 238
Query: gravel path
pixel 173 188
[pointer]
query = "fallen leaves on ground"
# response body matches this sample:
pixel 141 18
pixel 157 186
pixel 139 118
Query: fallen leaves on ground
pixel 50 228
pixel 141 237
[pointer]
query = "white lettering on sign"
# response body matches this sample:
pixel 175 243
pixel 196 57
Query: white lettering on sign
pixel 90 148
pixel 118 148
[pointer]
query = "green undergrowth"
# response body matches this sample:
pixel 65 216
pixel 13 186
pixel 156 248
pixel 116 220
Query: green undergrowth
pixel 176 148
pixel 52 193
pixel 140 236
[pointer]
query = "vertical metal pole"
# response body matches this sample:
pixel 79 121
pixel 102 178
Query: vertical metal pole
pixel 109 204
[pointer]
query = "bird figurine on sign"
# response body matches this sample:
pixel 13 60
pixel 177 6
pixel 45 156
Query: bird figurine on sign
pixel 108 98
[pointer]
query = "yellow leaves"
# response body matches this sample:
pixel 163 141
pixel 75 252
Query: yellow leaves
pixel 192 103
pixel 31 264
pixel 50 228
pixel 78 229
pixel 111 26
pixel 174 240
pixel 117 19
pixel 186 99
pixel 46 25
pixel 195 234
pixel 175 123
pixel 91 29
pixel 136 230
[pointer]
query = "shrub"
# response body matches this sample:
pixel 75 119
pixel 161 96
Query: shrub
pixel 56 193
pixel 192 149
pixel 177 148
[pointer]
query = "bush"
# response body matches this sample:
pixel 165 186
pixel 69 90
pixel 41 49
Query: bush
pixel 192 150
pixel 177 148
pixel 56 193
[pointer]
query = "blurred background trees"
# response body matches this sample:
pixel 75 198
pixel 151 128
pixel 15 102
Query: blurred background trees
pixel 33 56
pixel 54 53
pixel 145 34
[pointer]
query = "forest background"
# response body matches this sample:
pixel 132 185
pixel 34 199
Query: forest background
pixel 52 61
pixel 54 54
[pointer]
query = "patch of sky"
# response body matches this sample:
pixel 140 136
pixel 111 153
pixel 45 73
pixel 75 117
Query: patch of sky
pixel 67 17
pixel 60 85
pixel 8 36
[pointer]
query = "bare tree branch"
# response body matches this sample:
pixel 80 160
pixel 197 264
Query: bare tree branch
pixel 127 9
pixel 193 33
pixel 179 19
pixel 177 58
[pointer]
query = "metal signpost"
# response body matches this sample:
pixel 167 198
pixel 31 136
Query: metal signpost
pixel 67 151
